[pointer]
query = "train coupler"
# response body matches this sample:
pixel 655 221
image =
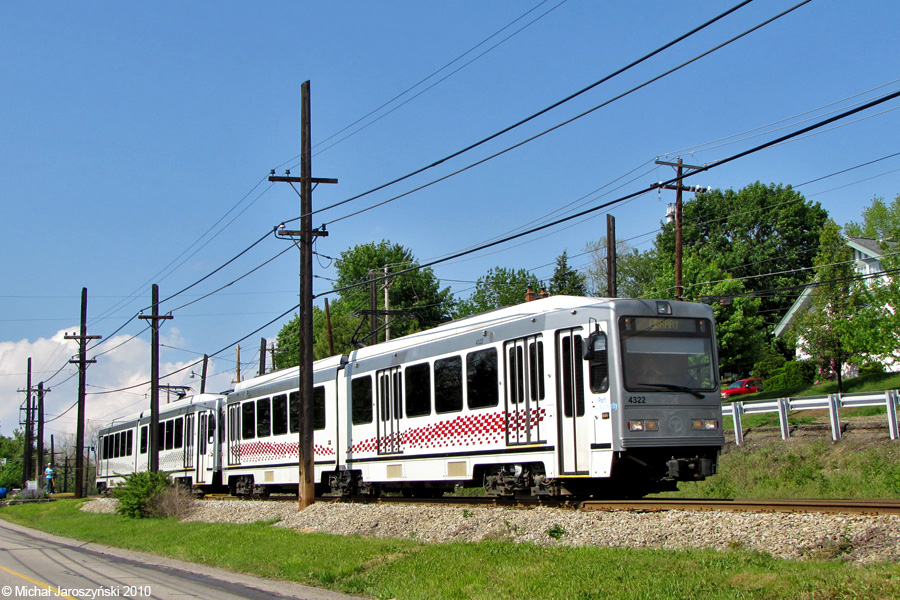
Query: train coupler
pixel 687 469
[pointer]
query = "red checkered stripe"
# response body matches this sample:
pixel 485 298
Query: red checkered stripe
pixel 485 429
pixel 259 451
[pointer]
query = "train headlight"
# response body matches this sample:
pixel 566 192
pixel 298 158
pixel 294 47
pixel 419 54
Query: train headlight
pixel 704 424
pixel 644 425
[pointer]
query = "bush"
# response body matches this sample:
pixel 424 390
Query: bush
pixel 793 373
pixel 871 368
pixel 771 363
pixel 139 495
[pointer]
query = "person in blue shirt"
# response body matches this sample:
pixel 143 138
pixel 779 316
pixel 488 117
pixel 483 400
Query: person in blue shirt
pixel 48 475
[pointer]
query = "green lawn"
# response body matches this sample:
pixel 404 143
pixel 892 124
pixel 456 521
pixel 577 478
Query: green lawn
pixel 490 570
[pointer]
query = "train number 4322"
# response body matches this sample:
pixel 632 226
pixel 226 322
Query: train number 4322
pixel 637 400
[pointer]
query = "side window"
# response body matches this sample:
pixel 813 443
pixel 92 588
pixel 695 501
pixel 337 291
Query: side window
pixel 169 435
pixel 202 434
pixel 294 416
pixel 279 415
pixel 448 389
pixel 481 378
pixel 598 367
pixel 144 440
pixel 178 425
pixel 536 360
pixel 129 444
pixel 418 390
pixel 263 418
pixel 319 408
pixel 361 400
pixel 248 420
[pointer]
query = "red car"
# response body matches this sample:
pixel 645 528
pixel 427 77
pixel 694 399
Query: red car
pixel 742 386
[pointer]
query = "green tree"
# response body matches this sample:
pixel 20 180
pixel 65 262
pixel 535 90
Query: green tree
pixel 881 221
pixel 499 287
pixel 566 280
pixel 635 271
pixel 766 235
pixel 416 292
pixel 826 328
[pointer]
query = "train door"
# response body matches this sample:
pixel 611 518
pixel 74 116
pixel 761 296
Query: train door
pixel 574 443
pixel 389 406
pixel 234 434
pixel 189 437
pixel 524 370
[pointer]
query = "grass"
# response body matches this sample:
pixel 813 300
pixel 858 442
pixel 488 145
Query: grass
pixel 407 570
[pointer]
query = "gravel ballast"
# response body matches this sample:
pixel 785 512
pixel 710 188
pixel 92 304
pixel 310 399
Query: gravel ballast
pixel 859 539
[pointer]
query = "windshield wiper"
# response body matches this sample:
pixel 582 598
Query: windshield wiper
pixel 674 388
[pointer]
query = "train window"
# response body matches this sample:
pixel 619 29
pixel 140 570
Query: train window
pixel 248 420
pixel 170 435
pixel 598 365
pixel 448 395
pixel 144 440
pixel 361 400
pixel 211 432
pixel 294 415
pixel 178 432
pixel 121 443
pixel 418 390
pixel 263 417
pixel 202 435
pixel 279 415
pixel 319 408
pixel 536 361
pixel 115 445
pixel 571 377
pixel 129 443
pixel 161 436
pixel 481 378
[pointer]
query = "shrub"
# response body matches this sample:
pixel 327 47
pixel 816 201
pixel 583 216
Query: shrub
pixel 140 493
pixel 769 364
pixel 870 368
pixel 793 373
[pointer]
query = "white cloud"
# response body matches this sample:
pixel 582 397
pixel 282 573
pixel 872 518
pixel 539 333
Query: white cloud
pixel 122 362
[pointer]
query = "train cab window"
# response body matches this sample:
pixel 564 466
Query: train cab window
pixel 448 394
pixel 263 417
pixel 482 378
pixel 418 390
pixel 144 439
pixel 248 420
pixel 294 414
pixel 598 362
pixel 279 415
pixel 319 408
pixel 361 400
pixel 178 431
pixel 129 443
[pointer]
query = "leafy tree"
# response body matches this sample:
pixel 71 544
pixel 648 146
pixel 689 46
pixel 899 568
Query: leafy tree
pixel 766 235
pixel 13 450
pixel 635 271
pixel 566 280
pixel 881 221
pixel 499 287
pixel 827 330
pixel 416 291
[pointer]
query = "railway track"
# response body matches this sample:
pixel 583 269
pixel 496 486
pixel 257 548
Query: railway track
pixel 860 507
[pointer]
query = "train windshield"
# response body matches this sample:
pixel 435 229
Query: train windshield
pixel 667 353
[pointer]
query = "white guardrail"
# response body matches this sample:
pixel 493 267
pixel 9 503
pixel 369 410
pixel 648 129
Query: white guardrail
pixel 833 403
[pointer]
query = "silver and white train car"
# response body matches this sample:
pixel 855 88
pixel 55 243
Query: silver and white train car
pixel 559 396
pixel 189 441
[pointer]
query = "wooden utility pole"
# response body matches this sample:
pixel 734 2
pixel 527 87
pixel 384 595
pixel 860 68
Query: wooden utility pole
pixel 154 318
pixel 679 166
pixel 82 363
pixel 262 356
pixel 39 463
pixel 27 467
pixel 306 458
pixel 203 374
pixel 238 372
pixel 328 327
pixel 611 288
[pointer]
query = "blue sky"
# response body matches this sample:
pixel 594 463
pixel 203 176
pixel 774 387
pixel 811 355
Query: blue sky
pixel 135 140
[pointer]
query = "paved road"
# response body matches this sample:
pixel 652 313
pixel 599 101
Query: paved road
pixel 38 565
